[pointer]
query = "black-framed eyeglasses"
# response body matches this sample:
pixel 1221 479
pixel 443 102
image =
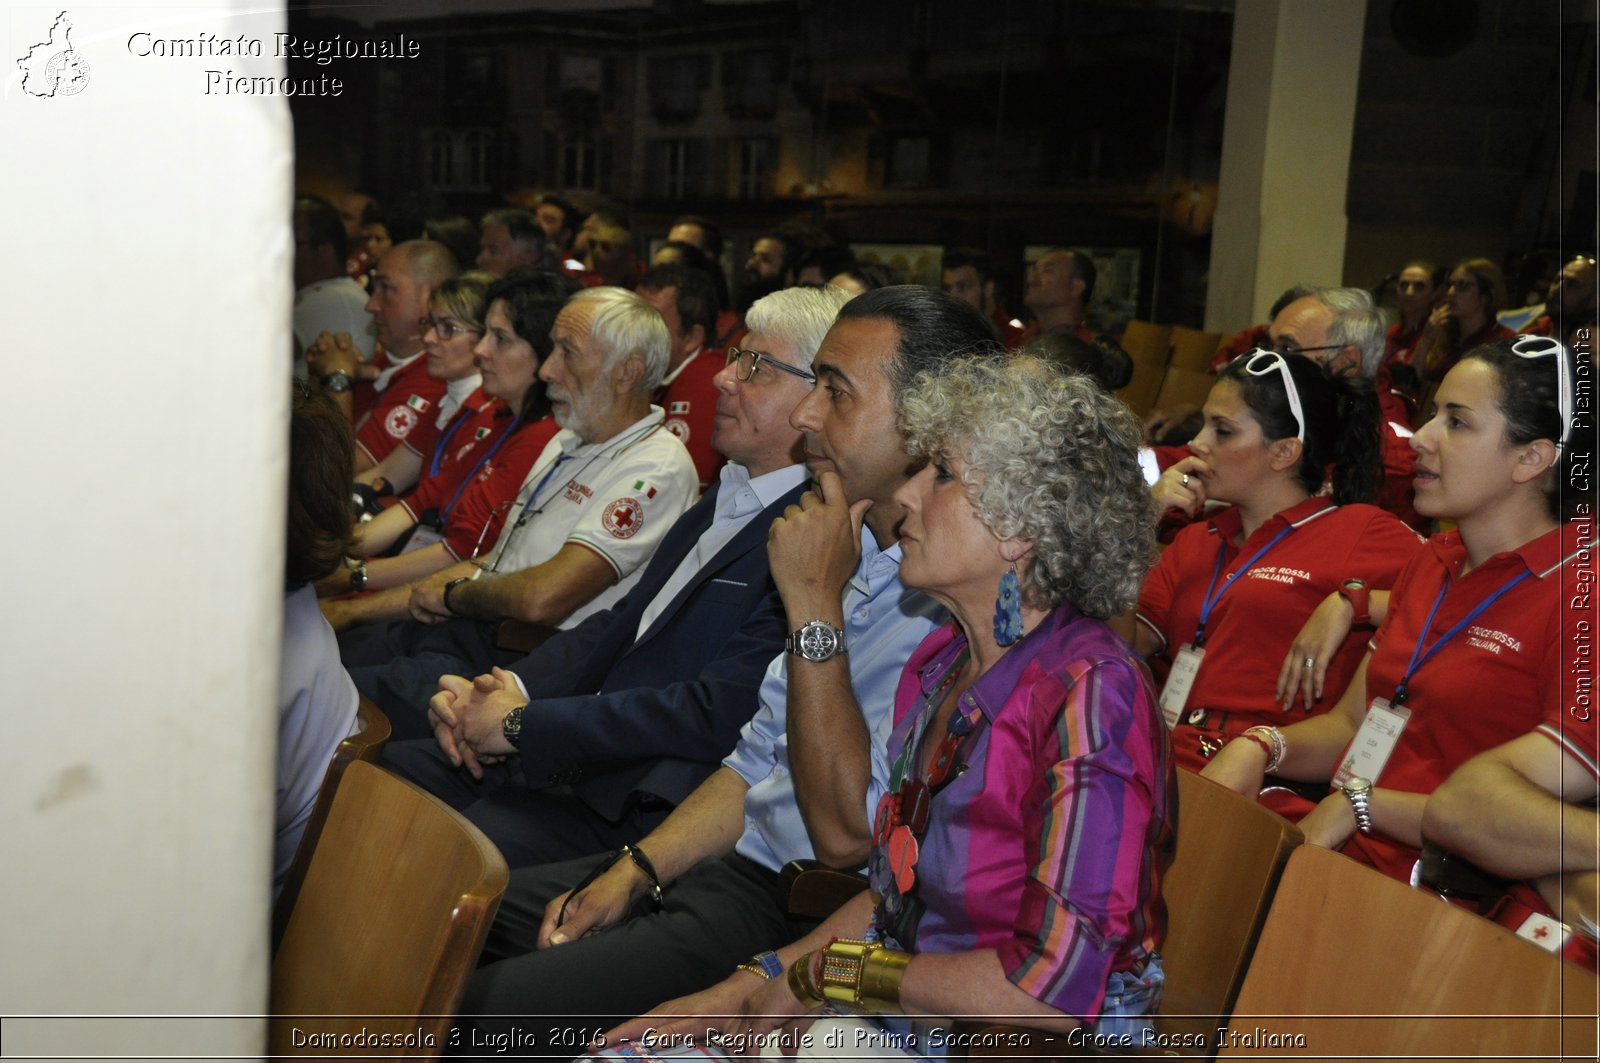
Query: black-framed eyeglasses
pixel 447 329
pixel 1283 347
pixel 746 364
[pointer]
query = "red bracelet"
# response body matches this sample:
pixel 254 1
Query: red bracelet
pixel 1266 747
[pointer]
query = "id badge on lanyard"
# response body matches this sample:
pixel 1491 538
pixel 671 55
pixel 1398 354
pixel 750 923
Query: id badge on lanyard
pixel 1369 750
pixel 1175 694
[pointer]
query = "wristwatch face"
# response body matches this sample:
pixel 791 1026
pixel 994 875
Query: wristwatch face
pixel 1358 785
pixel 511 726
pixel 1355 585
pixel 818 641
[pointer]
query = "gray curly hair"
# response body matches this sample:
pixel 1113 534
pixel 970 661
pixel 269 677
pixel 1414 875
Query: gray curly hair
pixel 1049 457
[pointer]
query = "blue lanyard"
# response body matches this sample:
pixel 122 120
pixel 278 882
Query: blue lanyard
pixel 473 474
pixel 543 480
pixel 1214 593
pixel 456 422
pixel 1419 658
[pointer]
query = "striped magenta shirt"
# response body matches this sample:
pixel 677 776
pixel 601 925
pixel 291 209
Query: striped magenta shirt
pixel 1051 846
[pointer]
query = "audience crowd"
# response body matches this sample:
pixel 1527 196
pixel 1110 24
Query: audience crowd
pixel 667 576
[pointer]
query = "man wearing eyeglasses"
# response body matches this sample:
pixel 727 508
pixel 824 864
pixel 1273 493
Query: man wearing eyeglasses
pixel 687 300
pixel 1343 330
pixel 676 666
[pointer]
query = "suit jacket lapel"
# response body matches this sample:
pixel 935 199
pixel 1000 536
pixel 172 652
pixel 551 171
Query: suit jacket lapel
pixel 751 535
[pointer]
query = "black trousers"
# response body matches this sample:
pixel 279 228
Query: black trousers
pixel 530 827
pixel 398 664
pixel 717 915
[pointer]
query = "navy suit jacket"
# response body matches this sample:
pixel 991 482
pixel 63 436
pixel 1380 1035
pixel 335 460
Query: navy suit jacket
pixel 670 706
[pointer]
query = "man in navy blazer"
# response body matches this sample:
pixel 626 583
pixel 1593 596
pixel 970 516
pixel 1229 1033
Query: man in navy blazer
pixel 618 719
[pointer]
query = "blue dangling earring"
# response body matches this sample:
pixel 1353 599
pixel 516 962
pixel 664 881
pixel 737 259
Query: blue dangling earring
pixel 1008 609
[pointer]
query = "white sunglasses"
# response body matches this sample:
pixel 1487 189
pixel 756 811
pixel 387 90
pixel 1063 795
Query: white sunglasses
pixel 1538 347
pixel 1274 360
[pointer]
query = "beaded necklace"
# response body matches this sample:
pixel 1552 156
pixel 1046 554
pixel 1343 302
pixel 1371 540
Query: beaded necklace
pixel 901 821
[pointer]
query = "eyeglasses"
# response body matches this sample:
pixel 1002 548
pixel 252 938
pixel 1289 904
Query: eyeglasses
pixel 1538 347
pixel 1263 362
pixel 747 362
pixel 447 329
pixel 1286 347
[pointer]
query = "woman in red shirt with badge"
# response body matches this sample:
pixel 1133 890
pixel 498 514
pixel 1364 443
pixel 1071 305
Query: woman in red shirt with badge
pixel 1479 632
pixel 1224 603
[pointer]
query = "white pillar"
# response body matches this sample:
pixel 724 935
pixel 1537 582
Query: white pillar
pixel 1285 154
pixel 147 292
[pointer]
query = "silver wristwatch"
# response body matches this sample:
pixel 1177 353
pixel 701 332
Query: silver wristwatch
pixel 338 380
pixel 1359 793
pixel 817 640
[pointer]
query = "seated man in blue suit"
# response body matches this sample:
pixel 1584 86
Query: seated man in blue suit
pixel 618 719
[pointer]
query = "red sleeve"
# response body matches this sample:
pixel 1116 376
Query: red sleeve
pixel 423 438
pixel 1382 551
pixel 691 413
pixel 480 513
pixel 1567 687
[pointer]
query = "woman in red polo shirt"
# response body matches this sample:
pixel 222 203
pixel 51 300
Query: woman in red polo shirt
pixel 1226 600
pixel 1479 633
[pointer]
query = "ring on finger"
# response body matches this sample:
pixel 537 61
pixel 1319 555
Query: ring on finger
pixel 1185 480
pixel 1309 662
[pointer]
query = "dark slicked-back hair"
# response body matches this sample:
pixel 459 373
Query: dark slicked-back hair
pixel 323 224
pixel 533 298
pixel 696 295
pixel 934 327
pixel 1086 271
pixel 320 449
pixel 522 227
pixel 980 261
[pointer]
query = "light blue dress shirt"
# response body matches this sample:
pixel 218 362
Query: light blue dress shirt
pixel 883 622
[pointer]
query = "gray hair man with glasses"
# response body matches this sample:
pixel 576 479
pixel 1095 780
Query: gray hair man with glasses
pixel 1342 329
pixel 677 664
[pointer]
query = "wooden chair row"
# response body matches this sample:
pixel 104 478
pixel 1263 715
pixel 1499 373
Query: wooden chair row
pixel 393 893
pixel 1282 950
pixel 1170 365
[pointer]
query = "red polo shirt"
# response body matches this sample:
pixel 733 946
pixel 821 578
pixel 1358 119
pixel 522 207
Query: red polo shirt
pixel 471 434
pixel 1507 673
pixel 1256 620
pixel 411 398
pixel 480 512
pixel 690 402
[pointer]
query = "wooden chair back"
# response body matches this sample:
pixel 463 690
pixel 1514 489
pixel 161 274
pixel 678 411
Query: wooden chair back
pixel 392 915
pixel 372 731
pixel 1193 349
pixel 1231 854
pixel 1184 387
pixel 1149 345
pixel 1359 964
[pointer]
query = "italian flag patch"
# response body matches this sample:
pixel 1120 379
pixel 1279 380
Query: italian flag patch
pixel 418 403
pixel 648 490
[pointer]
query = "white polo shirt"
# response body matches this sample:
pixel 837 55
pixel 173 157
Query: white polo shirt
pixel 616 498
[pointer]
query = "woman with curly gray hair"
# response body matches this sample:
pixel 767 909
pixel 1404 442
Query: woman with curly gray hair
pixel 1019 850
